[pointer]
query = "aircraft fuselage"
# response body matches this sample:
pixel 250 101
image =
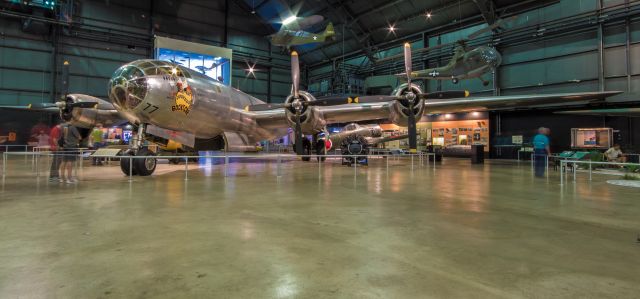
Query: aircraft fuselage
pixel 176 98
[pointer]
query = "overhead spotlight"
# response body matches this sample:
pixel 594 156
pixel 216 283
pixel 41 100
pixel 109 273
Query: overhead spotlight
pixel 392 28
pixel 428 15
pixel 174 71
pixel 251 70
pixel 289 20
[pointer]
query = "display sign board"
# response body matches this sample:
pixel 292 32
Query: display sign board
pixel 516 139
pixel 211 61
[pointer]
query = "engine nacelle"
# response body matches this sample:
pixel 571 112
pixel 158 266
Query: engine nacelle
pixel 312 120
pixel 89 117
pixel 400 109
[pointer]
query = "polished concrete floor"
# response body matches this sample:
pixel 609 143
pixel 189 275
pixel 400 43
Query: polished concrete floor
pixel 459 231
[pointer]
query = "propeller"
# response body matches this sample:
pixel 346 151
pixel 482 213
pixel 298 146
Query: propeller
pixel 409 99
pixel 296 104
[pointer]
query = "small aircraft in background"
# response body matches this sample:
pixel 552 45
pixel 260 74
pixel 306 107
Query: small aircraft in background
pixel 466 63
pixel 367 135
pixel 463 65
pixel 292 32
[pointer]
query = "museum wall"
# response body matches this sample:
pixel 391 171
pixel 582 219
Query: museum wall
pixel 541 62
pixel 526 123
pixel 107 34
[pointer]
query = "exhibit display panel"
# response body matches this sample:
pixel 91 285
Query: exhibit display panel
pixel 595 138
pixel 461 132
pixel 211 61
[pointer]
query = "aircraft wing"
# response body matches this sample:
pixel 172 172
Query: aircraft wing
pixel 32 108
pixel 629 112
pixel 507 102
pixel 372 111
pixel 355 112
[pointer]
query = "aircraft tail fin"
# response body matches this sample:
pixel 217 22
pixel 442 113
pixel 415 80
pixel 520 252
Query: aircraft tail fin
pixel 329 32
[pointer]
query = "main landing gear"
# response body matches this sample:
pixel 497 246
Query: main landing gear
pixel 318 147
pixel 130 165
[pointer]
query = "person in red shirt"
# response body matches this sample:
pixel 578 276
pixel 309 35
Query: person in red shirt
pixel 54 136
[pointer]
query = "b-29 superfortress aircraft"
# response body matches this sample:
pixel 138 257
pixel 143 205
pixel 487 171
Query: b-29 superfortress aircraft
pixel 167 101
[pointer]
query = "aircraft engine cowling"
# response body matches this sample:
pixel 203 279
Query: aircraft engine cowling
pixel 89 117
pixel 399 109
pixel 311 119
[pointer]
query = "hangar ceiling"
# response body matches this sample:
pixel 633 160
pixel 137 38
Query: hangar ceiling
pixel 363 25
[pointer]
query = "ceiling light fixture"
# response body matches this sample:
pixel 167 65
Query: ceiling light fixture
pixel 289 20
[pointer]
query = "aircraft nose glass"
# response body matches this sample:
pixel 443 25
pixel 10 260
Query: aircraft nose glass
pixel 128 87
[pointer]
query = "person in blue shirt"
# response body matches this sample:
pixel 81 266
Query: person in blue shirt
pixel 541 150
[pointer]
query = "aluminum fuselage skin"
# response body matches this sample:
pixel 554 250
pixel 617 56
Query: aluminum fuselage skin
pixel 214 109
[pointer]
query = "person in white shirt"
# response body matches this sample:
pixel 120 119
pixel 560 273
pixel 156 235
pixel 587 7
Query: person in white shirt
pixel 614 154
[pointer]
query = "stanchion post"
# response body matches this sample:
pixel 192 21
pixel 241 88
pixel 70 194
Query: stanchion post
pixel 412 161
pixel 226 165
pixel 37 168
pixel 4 164
pixel 278 173
pixel 387 158
pixel 575 167
pixel 561 172
pixel 186 168
pixel 130 168
pixel 590 170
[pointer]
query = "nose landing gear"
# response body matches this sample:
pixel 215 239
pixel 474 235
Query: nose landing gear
pixel 130 165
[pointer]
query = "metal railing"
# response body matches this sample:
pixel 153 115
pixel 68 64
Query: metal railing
pixel 8 146
pixel 279 158
pixel 565 163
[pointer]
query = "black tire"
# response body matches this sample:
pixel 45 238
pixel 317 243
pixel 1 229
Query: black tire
pixel 306 147
pixel 124 166
pixel 146 166
pixel 174 161
pixel 455 80
pixel 321 150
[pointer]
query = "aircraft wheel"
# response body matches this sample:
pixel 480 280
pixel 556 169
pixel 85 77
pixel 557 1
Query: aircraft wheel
pixel 174 161
pixel 146 166
pixel 124 166
pixel 306 146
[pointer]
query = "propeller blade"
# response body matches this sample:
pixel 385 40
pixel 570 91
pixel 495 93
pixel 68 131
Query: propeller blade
pixel 451 94
pixel 38 106
pixel 298 132
pixel 407 61
pixel 82 105
pixel 295 74
pixel 265 107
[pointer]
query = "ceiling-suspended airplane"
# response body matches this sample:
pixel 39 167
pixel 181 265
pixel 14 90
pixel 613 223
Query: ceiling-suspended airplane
pixel 292 32
pixel 170 102
pixel 466 63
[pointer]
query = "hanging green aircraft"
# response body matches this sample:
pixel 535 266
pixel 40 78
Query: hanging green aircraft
pixel 466 62
pixel 292 32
